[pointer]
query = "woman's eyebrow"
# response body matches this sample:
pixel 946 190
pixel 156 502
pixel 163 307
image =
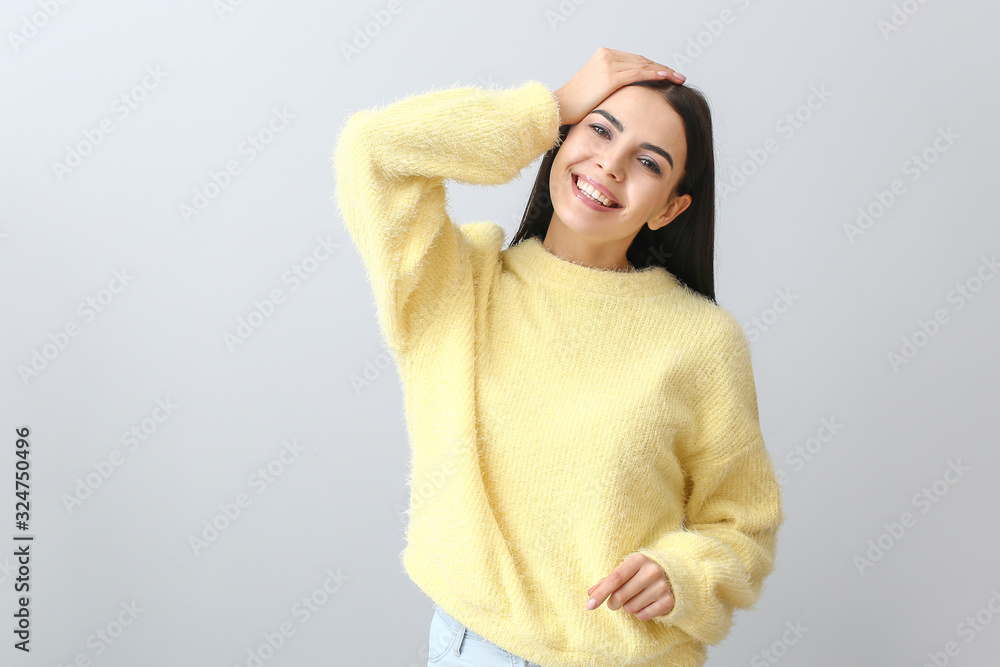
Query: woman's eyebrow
pixel 648 146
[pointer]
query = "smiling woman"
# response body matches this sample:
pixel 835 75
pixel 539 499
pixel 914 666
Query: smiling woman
pixel 648 149
pixel 573 423
pixel 637 176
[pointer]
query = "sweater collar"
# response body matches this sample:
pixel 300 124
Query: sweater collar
pixel 530 257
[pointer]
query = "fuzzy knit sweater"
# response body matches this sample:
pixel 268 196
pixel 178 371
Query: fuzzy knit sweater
pixel 561 417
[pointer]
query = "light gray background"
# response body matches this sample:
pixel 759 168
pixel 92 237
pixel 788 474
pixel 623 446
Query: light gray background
pixel 336 506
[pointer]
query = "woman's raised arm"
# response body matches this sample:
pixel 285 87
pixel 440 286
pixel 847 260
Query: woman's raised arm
pixel 390 166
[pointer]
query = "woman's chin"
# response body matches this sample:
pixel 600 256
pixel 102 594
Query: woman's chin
pixel 581 219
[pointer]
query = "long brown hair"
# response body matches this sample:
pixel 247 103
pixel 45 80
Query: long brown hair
pixel 686 246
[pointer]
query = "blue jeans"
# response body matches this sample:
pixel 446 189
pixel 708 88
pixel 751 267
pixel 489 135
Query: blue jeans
pixel 451 644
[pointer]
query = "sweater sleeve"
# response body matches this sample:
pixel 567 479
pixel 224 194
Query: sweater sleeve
pixel 390 165
pixel 719 559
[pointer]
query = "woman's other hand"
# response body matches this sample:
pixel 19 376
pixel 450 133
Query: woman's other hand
pixel 605 72
pixel 639 586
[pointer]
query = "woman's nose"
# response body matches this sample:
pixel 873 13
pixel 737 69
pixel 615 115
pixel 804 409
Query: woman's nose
pixel 610 167
pixel 611 163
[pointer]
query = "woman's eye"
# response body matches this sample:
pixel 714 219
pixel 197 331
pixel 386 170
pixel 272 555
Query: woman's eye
pixel 646 162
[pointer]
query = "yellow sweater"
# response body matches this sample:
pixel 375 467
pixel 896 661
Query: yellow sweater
pixel 561 417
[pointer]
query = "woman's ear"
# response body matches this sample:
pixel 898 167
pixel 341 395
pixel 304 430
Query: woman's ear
pixel 675 207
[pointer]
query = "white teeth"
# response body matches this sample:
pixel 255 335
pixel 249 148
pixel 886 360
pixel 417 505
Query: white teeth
pixel 594 194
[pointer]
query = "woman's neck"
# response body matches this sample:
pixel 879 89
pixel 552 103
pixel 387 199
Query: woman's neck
pixel 609 256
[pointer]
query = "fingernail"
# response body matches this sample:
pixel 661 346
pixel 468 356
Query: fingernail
pixel 662 73
pixel 591 604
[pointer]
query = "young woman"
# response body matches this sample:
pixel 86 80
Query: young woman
pixel 582 413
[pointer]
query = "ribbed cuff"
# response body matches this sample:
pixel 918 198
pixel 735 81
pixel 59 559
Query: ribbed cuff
pixel 686 581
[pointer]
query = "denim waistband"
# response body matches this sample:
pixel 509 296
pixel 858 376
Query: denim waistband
pixel 456 626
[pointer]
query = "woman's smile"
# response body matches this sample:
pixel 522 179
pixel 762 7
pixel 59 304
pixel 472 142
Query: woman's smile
pixel 590 196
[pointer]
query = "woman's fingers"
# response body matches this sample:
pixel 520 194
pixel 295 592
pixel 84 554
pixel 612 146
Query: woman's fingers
pixel 605 72
pixel 647 69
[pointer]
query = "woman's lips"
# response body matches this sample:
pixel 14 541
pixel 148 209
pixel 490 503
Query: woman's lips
pixel 600 188
pixel 595 205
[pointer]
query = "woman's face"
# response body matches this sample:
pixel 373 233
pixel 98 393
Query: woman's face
pixel 621 149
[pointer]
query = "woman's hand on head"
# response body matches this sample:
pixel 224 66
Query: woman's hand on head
pixel 605 72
